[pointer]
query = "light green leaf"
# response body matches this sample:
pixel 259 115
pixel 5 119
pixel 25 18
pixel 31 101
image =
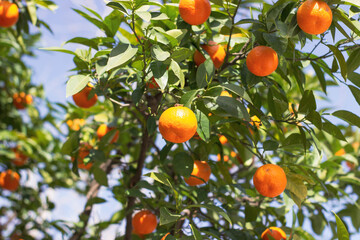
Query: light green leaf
pixel 76 83
pixel 197 235
pixel 178 72
pixel 341 229
pixel 159 54
pixel 161 178
pixel 348 117
pixel 167 217
pixel 121 54
pixel 203 128
pixel 188 98
pixel 32 11
pixel 295 184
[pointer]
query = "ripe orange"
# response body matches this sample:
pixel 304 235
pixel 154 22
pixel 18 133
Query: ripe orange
pixel 82 100
pixel 201 171
pixel 233 154
pixel 152 84
pixel 20 158
pixel 9 180
pixel 270 180
pixel 255 121
pixel 262 61
pixel 194 12
pixel 103 130
pixel 164 237
pixel 177 124
pixel 215 51
pixel 223 140
pixel 75 124
pixel 21 100
pixel 9 14
pixel 144 222
pixel 225 94
pixel 314 16
pixel 226 158
pixel 340 152
pixel 84 151
pixel 275 232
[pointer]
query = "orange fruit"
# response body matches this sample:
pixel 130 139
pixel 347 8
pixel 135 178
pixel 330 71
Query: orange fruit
pixel 82 100
pixel 103 130
pixel 194 12
pixel 164 237
pixel 20 158
pixel 152 84
pixel 314 16
pixel 226 158
pixel 340 152
pixel 144 222
pixel 233 154
pixel 350 165
pixel 21 100
pixel 262 61
pixel 9 180
pixel 270 180
pixel 275 232
pixel 177 124
pixel 356 146
pixel 223 140
pixel 75 124
pixel 9 14
pixel 84 151
pixel 225 94
pixel 215 51
pixel 201 171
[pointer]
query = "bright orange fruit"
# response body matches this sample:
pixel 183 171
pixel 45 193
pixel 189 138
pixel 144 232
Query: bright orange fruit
pixel 20 158
pixel 270 180
pixel 84 151
pixel 103 130
pixel 223 140
pixel 82 100
pixel 225 94
pixel 262 61
pixel 275 232
pixel 201 171
pixel 194 12
pixel 21 100
pixel 215 51
pixel 75 124
pixel 9 14
pixel 177 124
pixel 144 222
pixel 9 180
pixel 314 16
pixel 226 157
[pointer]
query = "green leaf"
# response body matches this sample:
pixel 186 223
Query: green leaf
pixel 121 54
pixel 188 98
pixel 197 235
pixel 76 83
pixel 270 145
pixel 118 6
pixel 181 54
pixel 340 15
pixel 95 200
pixel 57 49
pixel 320 75
pixel 205 73
pixel 203 128
pixel 165 151
pixel 137 94
pixel 307 103
pixel 178 72
pixel 113 21
pixel 233 107
pixel 159 54
pixel 183 164
pixel 71 144
pixel 151 125
pixel 333 130
pixel 167 217
pixel 216 209
pixel 32 11
pixel 353 61
pixel 295 184
pixel 159 177
pixel 84 41
pixel 355 92
pixel 278 43
pixel 238 90
pixel 349 117
pixel 341 60
pixel 100 176
pixel 160 73
pixel 251 213
pixel 315 118
pixel 342 232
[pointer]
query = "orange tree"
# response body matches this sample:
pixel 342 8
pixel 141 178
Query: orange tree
pixel 248 96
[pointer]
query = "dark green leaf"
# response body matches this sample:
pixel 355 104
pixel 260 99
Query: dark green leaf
pixel 355 92
pixel 341 60
pixel 203 128
pixel 100 176
pixel 188 98
pixel 307 103
pixel 341 229
pixel 333 130
pixel 205 73
pixel 183 164
pixel 167 217
pixel 349 117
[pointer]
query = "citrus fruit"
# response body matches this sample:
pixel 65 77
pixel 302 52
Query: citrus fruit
pixel 164 237
pixel 194 12
pixel 84 151
pixel 177 124
pixel 262 61
pixel 103 130
pixel 20 158
pixel 21 100
pixel 9 180
pixel 275 232
pixel 233 154
pixel 255 121
pixel 201 171
pixel 223 140
pixel 82 100
pixel 270 180
pixel 340 152
pixel 215 51
pixel 9 14
pixel 75 124
pixel 144 222
pixel 226 158
pixel 314 16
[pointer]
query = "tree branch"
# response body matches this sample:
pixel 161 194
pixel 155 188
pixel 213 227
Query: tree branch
pixel 93 192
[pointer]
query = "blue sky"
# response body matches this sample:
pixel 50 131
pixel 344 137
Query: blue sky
pixel 52 70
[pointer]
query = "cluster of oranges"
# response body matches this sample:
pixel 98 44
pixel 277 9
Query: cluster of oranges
pixel 21 100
